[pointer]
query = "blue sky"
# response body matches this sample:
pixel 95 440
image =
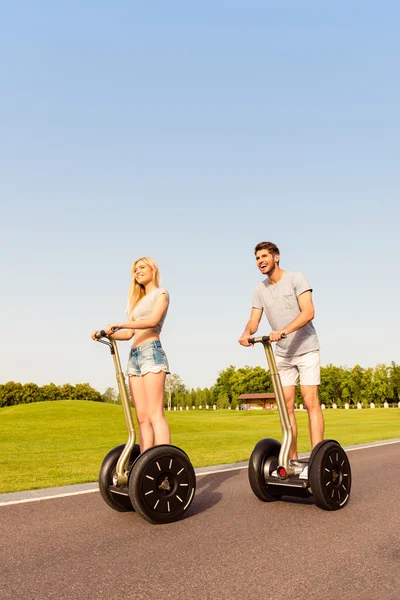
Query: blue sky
pixel 189 132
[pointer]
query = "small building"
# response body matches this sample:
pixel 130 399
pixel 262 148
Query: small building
pixel 257 401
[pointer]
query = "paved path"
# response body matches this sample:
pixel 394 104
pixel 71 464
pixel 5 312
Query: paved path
pixel 230 546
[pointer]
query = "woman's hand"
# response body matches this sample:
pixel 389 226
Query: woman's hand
pixel 93 336
pixel 112 328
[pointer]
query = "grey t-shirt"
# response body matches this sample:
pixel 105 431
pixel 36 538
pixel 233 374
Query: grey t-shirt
pixel 280 304
pixel 145 307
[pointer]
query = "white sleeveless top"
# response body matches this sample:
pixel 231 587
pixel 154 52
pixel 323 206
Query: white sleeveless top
pixel 145 307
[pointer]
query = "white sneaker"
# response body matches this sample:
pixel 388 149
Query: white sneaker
pixel 304 473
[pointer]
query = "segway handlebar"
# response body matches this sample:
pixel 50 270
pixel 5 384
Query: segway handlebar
pixel 102 333
pixel 264 338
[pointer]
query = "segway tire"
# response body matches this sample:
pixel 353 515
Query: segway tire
pixel 329 475
pixel 118 502
pixel 263 460
pixel 162 484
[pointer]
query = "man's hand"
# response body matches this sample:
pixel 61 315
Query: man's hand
pixel 275 336
pixel 244 340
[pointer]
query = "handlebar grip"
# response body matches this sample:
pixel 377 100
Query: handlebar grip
pixel 264 338
pixel 102 333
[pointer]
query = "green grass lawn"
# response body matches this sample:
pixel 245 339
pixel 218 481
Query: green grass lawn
pixel 60 443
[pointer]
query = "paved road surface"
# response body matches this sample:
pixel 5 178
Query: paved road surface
pixel 230 546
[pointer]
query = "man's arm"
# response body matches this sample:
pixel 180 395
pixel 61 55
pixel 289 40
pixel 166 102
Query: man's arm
pixel 305 316
pixel 251 327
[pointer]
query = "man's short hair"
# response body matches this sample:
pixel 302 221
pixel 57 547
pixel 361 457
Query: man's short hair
pixel 270 246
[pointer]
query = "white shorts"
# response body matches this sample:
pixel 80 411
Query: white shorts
pixel 305 366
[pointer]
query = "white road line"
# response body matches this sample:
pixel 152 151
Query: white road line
pixel 233 468
pixel 211 472
pixel 376 445
pixel 48 497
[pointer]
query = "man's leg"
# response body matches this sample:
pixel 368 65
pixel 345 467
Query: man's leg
pixel 309 368
pixel 315 418
pixel 289 376
pixel 289 392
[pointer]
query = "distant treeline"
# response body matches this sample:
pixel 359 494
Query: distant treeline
pixel 12 393
pixel 339 385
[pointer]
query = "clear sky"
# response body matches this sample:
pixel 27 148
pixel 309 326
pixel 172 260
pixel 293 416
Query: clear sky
pixel 188 132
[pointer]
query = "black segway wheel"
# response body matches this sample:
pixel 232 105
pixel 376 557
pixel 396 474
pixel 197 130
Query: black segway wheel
pixel 117 501
pixel 162 484
pixel 329 475
pixel 263 461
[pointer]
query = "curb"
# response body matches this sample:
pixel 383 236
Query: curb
pixel 88 488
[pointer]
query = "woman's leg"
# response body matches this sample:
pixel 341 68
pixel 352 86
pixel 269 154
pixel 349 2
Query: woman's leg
pixel 154 391
pixel 146 433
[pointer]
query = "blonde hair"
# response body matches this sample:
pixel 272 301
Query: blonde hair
pixel 136 290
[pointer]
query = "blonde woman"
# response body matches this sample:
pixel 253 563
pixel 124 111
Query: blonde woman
pixel 148 364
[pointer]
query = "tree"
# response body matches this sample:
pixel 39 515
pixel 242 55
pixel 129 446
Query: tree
pixel 356 383
pixel 234 403
pixel 83 391
pixel 11 393
pixel 193 398
pixel 31 393
pixel 110 396
pixel 222 385
pixel 380 384
pixel 366 386
pixel 180 399
pixel 223 400
pixel 346 388
pixel 250 380
pixel 330 388
pixel 200 397
pixel 67 392
pixel 173 385
pixel 51 392
pixel 207 396
pixel 395 380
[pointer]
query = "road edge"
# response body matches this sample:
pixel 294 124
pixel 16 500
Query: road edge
pixel 88 488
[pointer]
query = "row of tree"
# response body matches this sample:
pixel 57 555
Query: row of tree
pixel 12 393
pixel 338 385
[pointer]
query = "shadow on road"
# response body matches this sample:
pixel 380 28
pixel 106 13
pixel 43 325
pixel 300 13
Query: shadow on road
pixel 294 500
pixel 209 496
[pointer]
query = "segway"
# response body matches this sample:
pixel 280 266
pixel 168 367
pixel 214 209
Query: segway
pixel 159 484
pixel 271 473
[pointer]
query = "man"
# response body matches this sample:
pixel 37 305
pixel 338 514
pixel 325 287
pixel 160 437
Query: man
pixel 285 297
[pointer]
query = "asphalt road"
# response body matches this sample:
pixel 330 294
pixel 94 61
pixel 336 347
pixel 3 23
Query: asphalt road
pixel 229 546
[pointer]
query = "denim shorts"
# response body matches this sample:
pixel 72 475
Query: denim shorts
pixel 147 358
